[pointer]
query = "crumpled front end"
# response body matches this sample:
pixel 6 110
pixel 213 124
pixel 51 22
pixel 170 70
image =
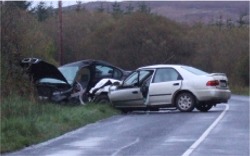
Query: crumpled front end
pixel 55 93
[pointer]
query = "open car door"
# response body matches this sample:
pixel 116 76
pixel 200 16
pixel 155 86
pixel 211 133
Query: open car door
pixel 129 93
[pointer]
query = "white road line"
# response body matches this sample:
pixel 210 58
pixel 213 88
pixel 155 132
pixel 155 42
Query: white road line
pixel 205 134
pixel 126 146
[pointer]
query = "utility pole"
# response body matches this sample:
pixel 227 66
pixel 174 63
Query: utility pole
pixel 60 32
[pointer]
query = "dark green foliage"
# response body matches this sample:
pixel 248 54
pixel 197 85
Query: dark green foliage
pixel 116 10
pixel 143 8
pixel 21 37
pixel 23 5
pixel 42 11
pixel 129 9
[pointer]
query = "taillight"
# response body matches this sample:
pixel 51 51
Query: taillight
pixel 213 83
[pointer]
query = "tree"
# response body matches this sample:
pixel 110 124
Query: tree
pixel 143 8
pixel 23 5
pixel 241 20
pixel 116 9
pixel 42 11
pixel 100 8
pixel 20 37
pixel 129 9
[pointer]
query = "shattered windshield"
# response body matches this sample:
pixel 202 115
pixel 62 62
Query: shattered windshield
pixel 69 73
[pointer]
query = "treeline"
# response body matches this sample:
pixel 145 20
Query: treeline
pixel 128 40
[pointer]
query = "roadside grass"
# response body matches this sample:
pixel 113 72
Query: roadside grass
pixel 24 123
pixel 240 90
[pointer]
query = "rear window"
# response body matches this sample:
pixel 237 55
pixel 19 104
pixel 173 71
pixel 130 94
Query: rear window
pixel 194 70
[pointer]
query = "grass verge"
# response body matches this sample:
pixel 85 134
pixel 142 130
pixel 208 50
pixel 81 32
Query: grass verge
pixel 240 90
pixel 24 123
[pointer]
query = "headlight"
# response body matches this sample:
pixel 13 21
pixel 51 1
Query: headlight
pixel 112 88
pixel 56 93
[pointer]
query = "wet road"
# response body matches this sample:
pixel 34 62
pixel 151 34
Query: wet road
pixel 224 130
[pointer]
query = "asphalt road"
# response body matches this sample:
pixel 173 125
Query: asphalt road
pixel 222 131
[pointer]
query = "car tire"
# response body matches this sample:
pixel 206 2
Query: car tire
pixel 83 99
pixel 185 102
pixel 203 107
pixel 102 99
pixel 125 111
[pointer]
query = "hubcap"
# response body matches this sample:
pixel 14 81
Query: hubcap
pixel 185 102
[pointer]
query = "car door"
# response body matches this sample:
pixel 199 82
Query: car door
pixel 165 83
pixel 129 94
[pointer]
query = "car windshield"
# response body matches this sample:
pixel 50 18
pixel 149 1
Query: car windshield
pixel 69 73
pixel 133 78
pixel 194 70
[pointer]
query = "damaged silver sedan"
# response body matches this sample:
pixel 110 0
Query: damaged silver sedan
pixel 170 86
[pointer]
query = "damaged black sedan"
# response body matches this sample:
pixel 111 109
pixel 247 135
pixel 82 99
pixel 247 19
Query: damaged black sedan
pixel 70 82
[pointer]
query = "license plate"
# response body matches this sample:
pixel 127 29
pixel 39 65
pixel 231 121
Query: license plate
pixel 223 84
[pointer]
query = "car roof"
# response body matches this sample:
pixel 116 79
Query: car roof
pixel 87 62
pixel 161 66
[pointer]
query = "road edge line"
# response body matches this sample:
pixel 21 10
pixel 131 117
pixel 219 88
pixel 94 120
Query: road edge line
pixel 126 146
pixel 205 134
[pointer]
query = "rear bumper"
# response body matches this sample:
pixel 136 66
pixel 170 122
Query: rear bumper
pixel 215 96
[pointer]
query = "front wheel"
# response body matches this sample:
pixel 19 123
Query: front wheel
pixel 102 99
pixel 203 107
pixel 185 102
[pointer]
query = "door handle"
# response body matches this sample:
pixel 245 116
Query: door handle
pixel 135 92
pixel 176 84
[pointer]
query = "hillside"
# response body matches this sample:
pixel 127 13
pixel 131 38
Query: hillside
pixel 187 12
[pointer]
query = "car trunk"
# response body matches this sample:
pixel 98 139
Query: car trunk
pixel 222 80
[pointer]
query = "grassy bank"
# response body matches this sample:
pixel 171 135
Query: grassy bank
pixel 240 90
pixel 24 123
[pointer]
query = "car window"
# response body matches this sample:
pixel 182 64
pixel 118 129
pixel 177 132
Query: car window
pixel 69 73
pixel 105 71
pixel 117 74
pixel 165 75
pixel 133 78
pixel 83 77
pixel 194 70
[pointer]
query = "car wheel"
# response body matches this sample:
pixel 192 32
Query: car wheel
pixel 102 99
pixel 125 111
pixel 204 107
pixel 185 102
pixel 83 99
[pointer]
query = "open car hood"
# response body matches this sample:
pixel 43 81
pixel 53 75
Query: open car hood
pixel 39 69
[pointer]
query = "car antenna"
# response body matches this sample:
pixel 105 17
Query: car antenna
pixel 167 60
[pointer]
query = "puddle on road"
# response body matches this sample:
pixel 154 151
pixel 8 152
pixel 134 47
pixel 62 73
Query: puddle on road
pixel 89 142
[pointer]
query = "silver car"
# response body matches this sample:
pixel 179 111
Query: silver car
pixel 170 86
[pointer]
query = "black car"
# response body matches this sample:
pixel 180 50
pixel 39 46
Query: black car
pixel 70 82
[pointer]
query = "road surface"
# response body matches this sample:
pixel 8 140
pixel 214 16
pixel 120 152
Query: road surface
pixel 223 131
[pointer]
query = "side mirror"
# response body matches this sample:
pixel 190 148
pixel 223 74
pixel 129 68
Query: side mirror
pixel 116 83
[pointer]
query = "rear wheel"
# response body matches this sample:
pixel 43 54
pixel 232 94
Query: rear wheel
pixel 185 102
pixel 204 107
